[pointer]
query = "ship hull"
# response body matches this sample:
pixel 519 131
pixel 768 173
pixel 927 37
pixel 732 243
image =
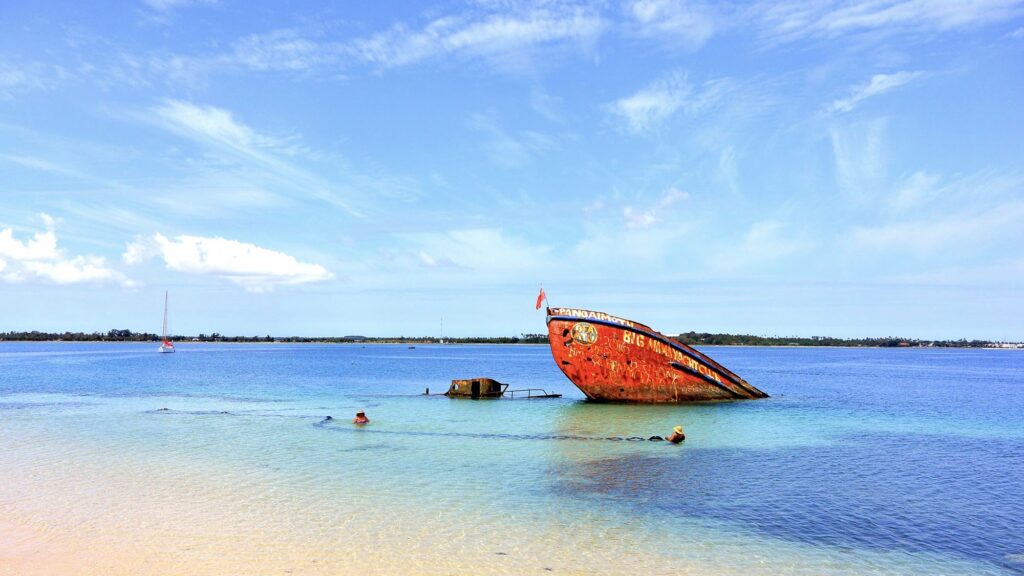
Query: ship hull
pixel 612 359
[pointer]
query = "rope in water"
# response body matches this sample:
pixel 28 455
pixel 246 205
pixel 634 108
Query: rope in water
pixel 325 423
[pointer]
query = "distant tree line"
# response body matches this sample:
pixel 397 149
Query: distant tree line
pixel 109 336
pixel 129 336
pixel 691 338
pixel 704 338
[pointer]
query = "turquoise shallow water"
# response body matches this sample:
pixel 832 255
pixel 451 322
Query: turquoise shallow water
pixel 863 460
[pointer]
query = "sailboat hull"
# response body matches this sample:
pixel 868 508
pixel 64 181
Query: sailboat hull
pixel 612 359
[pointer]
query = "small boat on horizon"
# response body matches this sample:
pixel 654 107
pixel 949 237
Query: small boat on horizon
pixel 167 346
pixel 611 359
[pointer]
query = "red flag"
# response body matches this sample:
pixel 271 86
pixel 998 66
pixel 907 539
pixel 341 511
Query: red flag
pixel 541 297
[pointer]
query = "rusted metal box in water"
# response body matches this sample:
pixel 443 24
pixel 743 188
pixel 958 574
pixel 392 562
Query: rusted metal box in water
pixel 476 388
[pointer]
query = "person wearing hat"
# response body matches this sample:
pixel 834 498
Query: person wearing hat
pixel 677 435
pixel 360 418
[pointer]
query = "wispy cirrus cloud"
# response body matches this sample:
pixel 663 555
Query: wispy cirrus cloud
pixel 794 20
pixel 916 190
pixel 285 49
pixel 506 149
pixel 861 162
pixel 254 268
pixel 217 128
pixel 636 218
pixel 481 250
pixel 19 76
pixel 502 37
pixel 40 259
pixel 950 214
pixel 765 242
pixel 967 227
pixel 212 125
pixel 161 12
pixel 679 23
pixel 166 5
pixel 651 106
pixel 507 37
pixel 879 84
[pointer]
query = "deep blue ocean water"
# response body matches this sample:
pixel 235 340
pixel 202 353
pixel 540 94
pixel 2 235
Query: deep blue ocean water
pixel 884 460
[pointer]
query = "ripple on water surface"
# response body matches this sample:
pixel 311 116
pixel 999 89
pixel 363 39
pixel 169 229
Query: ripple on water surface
pixel 837 473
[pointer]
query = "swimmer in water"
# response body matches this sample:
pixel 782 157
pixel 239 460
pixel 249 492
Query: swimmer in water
pixel 677 435
pixel 360 418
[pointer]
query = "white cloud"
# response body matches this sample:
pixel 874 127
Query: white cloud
pixel 78 270
pixel 647 109
pixel 879 84
pixel 40 258
pixel 42 246
pixel 252 267
pixel 680 22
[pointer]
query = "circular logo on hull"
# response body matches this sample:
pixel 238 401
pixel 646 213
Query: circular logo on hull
pixel 584 333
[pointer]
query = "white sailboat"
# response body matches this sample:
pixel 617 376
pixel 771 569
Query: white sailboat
pixel 166 346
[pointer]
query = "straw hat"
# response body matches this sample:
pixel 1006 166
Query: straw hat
pixel 678 429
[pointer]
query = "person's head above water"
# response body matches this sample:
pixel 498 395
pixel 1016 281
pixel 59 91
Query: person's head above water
pixel 678 429
pixel 360 413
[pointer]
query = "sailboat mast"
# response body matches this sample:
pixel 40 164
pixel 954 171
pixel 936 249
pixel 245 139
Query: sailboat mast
pixel 165 316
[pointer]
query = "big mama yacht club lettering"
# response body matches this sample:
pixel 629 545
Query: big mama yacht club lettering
pixel 666 350
pixel 640 340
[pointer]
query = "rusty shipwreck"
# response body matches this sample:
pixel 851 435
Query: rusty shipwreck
pixel 612 359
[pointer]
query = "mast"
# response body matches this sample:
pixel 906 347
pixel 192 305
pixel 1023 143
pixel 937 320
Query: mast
pixel 165 316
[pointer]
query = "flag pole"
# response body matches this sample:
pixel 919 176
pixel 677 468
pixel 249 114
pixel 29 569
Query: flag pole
pixel 542 296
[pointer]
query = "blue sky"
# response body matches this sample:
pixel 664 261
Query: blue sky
pixel 786 168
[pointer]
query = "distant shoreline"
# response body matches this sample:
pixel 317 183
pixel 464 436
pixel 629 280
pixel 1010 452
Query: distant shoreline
pixel 1012 346
pixel 690 338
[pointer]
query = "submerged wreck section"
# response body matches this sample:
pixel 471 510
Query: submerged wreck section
pixel 476 388
pixel 491 388
pixel 612 359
